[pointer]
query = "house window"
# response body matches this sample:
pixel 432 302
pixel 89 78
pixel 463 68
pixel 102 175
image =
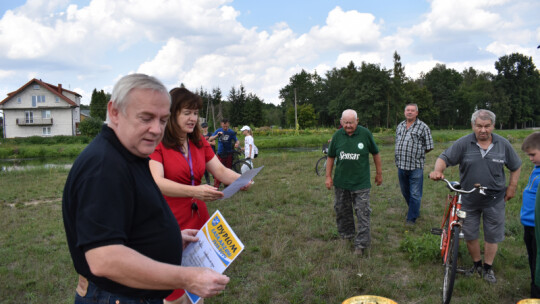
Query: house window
pixel 57 99
pixel 29 117
pixel 37 99
pixel 18 100
pixel 46 130
pixel 46 114
pixel 36 87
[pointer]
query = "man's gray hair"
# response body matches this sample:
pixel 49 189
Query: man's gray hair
pixel 120 95
pixel 483 115
pixel 349 112
pixel 411 105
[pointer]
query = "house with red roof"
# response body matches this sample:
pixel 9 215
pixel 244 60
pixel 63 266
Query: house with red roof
pixel 40 109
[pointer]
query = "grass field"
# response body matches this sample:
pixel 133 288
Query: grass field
pixel 293 253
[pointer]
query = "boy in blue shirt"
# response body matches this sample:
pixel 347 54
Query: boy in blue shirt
pixel 531 146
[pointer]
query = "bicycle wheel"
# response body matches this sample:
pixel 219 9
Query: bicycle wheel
pixel 450 265
pixel 320 167
pixel 241 166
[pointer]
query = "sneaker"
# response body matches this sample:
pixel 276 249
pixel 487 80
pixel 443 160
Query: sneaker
pixel 489 276
pixel 473 271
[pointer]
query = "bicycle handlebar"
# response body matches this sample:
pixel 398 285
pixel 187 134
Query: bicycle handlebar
pixel 452 185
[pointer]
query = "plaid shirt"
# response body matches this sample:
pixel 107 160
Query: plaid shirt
pixel 411 145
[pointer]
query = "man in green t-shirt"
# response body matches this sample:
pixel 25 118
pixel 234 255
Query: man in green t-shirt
pixel 350 147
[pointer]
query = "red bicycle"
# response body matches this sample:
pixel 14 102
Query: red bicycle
pixel 450 234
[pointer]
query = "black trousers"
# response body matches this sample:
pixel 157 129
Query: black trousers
pixel 530 243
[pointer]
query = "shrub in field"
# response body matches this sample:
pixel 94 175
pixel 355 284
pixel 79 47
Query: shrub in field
pixel 7 152
pixel 421 249
pixel 71 151
pixel 90 126
pixel 53 140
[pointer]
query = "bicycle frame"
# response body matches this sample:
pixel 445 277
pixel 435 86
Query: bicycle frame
pixel 454 216
pixel 450 234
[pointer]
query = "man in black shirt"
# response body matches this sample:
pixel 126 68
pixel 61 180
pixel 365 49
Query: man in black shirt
pixel 124 241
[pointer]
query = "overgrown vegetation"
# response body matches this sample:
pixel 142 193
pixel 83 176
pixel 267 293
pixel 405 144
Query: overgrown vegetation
pixel 91 126
pixel 446 97
pixel 293 253
pixel 265 137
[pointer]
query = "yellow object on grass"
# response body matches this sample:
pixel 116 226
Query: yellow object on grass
pixel 368 300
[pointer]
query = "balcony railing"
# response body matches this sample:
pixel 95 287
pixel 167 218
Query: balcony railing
pixel 34 122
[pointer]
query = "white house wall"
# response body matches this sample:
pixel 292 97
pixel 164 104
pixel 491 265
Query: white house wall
pixel 63 115
pixel 62 123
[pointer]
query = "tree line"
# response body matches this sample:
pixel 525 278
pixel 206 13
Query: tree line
pixel 446 98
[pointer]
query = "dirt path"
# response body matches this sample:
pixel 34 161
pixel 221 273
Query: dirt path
pixel 36 202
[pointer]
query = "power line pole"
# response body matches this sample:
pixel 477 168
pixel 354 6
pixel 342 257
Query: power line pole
pixel 295 112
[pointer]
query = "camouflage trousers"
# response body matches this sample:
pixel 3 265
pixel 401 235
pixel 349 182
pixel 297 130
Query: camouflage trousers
pixel 345 202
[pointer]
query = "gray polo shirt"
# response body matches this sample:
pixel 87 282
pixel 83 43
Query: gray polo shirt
pixel 488 169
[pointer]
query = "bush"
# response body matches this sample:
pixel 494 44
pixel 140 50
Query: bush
pixel 90 126
pixel 423 249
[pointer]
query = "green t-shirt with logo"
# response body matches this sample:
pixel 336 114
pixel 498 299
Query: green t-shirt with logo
pixel 352 158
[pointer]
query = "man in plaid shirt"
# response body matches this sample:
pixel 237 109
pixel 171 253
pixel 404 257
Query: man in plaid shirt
pixel 413 141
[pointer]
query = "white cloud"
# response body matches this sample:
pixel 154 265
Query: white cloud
pixel 203 44
pixel 459 16
pixel 414 69
pixel 500 49
pixel 168 62
pixel 6 74
pixel 350 28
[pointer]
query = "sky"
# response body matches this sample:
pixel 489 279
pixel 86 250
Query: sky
pixel 90 44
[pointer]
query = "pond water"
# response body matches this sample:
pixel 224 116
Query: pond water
pixel 8 165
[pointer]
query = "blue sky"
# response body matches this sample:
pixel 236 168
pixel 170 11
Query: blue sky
pixel 87 44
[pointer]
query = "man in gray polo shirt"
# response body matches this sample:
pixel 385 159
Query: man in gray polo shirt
pixel 481 157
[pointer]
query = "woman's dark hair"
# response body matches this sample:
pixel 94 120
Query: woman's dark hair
pixel 182 98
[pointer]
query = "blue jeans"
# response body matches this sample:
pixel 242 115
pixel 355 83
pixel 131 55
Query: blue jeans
pixel 99 296
pixel 411 183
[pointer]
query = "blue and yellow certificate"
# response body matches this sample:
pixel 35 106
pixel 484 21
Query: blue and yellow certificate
pixel 216 248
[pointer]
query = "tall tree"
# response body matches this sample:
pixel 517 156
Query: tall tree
pixel 372 84
pixel 98 105
pixel 272 115
pixel 418 94
pixel 237 100
pixel 518 78
pixel 443 83
pixel 306 116
pixel 307 89
pixel 395 102
pixel 339 89
pixel 217 101
pixel 253 110
pixel 475 92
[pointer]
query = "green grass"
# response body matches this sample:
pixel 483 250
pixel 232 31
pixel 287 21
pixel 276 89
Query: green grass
pixel 292 254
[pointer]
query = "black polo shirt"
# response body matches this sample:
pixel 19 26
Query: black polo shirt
pixel 110 198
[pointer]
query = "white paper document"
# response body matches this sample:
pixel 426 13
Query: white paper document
pixel 240 182
pixel 216 248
